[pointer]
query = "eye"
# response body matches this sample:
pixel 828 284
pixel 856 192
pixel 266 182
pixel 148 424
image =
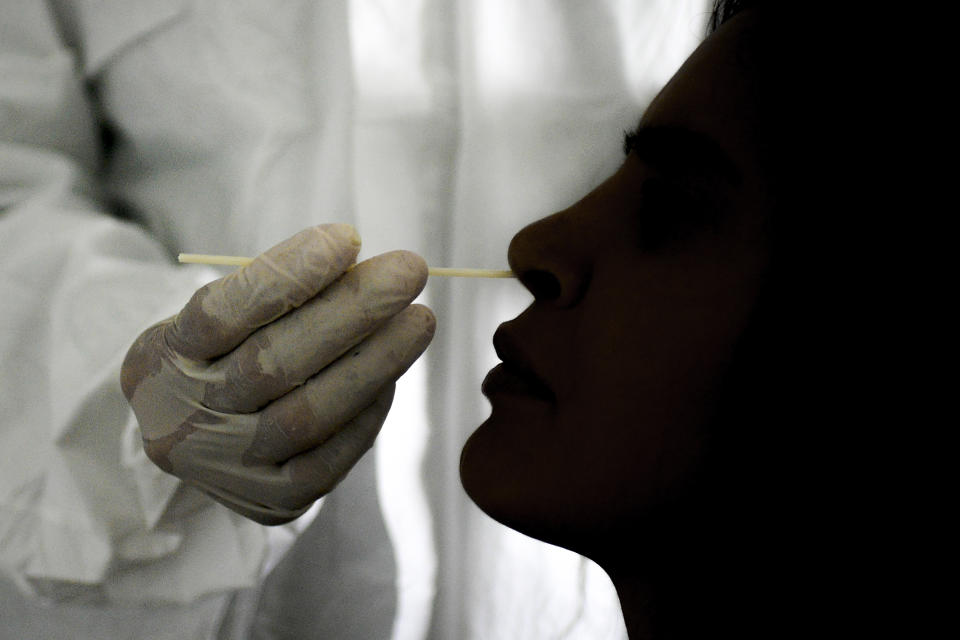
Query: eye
pixel 670 213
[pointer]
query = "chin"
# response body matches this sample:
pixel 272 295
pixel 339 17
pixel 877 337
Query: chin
pixel 492 481
pixel 521 497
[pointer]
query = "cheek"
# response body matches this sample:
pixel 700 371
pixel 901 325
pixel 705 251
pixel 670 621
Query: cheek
pixel 640 406
pixel 639 418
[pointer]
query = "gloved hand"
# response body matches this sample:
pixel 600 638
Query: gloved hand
pixel 274 380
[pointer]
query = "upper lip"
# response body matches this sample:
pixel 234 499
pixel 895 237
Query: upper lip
pixel 509 351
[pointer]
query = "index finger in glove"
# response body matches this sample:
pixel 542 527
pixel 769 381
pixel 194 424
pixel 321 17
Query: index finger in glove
pixel 221 314
pixel 284 354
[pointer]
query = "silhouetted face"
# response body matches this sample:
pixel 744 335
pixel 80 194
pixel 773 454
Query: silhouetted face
pixel 641 290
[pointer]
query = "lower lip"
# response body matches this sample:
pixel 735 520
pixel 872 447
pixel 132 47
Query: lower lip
pixel 503 381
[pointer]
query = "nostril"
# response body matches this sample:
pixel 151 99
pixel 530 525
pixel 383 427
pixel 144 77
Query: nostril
pixel 542 284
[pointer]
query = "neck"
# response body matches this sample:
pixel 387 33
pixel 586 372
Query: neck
pixel 690 588
pixel 638 604
pixel 677 605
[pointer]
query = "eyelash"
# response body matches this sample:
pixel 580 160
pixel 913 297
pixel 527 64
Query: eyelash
pixel 668 212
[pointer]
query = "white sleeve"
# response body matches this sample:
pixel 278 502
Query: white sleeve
pixel 82 511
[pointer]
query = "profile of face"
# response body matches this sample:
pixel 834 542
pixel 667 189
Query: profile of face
pixel 604 407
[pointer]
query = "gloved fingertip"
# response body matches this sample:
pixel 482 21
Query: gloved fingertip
pixel 416 267
pixel 426 318
pixel 344 233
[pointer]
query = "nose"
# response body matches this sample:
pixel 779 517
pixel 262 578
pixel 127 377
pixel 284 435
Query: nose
pixel 551 259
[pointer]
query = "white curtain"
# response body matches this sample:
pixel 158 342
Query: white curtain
pixel 475 118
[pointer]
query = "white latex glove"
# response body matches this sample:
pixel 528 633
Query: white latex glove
pixel 274 380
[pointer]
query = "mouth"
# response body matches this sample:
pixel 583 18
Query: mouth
pixel 514 376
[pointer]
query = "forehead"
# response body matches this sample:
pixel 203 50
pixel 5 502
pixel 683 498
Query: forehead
pixel 715 93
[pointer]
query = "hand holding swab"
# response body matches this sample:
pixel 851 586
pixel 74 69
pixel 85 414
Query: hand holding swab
pixel 241 261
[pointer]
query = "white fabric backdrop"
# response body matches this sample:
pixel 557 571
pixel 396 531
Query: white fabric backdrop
pixel 475 119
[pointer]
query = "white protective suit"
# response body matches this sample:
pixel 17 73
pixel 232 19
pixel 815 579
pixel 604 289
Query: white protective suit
pixel 134 129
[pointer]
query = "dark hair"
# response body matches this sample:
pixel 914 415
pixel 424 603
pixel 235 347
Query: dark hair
pixel 800 405
pixel 777 463
pixel 723 10
pixel 799 471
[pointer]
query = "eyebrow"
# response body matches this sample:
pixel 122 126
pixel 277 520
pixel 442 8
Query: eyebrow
pixel 680 151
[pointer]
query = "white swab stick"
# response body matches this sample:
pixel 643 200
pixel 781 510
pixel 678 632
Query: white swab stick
pixel 201 258
pixel 469 273
pixel 240 261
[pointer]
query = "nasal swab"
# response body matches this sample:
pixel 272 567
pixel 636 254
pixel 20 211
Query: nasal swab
pixel 241 261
